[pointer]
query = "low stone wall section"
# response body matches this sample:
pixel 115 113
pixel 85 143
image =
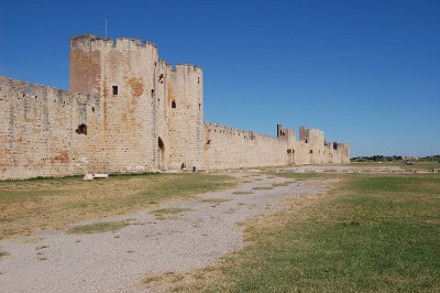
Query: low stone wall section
pixel 227 147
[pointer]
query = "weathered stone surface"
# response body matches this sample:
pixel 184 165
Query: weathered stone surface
pixel 127 111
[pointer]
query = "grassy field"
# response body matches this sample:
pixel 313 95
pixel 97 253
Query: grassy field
pixel 376 233
pixel 418 166
pixel 30 205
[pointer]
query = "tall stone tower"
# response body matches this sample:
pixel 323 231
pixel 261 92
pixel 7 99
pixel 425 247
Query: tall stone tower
pixel 185 117
pixel 151 114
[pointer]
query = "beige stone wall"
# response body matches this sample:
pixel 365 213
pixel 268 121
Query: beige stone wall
pixel 129 112
pixel 302 153
pixel 162 114
pixel 39 132
pixel 339 153
pixel 314 141
pixel 124 74
pixel 226 147
pixel 185 117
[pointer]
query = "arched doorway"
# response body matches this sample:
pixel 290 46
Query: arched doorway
pixel 161 154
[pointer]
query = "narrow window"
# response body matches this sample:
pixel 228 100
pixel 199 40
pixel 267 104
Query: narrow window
pixel 173 105
pixel 311 151
pixel 200 106
pixel 115 90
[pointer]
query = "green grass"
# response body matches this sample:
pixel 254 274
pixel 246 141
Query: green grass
pixel 287 183
pixel 100 227
pixel 374 234
pixel 418 166
pixel 3 253
pixel 263 188
pixel 242 192
pixel 305 176
pixel 168 213
pixel 214 201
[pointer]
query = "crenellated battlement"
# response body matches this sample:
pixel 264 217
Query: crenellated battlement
pixel 92 42
pixel 184 65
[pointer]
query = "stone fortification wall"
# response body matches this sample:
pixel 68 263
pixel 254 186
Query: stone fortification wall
pixel 185 117
pixel 42 131
pixel 226 147
pixel 129 112
pixel 301 153
pixel 162 114
pixel 124 74
pixel 314 142
pixel 339 153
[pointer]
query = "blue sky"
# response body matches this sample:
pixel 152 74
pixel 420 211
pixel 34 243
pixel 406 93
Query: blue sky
pixel 365 72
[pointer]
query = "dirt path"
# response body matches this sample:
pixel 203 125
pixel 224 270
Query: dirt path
pixel 53 261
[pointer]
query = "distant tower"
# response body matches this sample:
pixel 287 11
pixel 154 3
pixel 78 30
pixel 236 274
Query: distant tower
pixel 280 130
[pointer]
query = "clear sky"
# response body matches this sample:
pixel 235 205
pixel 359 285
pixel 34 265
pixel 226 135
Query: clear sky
pixel 366 72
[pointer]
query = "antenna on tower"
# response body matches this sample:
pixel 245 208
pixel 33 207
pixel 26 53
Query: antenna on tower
pixel 106 27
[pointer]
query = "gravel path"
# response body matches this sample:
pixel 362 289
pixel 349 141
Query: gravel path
pixel 53 261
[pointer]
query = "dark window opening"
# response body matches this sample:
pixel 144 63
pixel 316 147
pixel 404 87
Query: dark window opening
pixel 194 169
pixel 198 80
pixel 82 129
pixel 306 140
pixel 93 109
pixel 335 145
pixel 161 78
pixel 115 90
pixel 161 144
pixel 173 105
pixel 200 106
pixel 311 151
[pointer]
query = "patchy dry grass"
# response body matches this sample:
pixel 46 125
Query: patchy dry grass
pixel 31 205
pixel 184 282
pixel 307 176
pixel 169 213
pixel 370 233
pixel 263 188
pixel 287 183
pixel 100 227
pixel 214 201
pixel 3 253
pixel 242 192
